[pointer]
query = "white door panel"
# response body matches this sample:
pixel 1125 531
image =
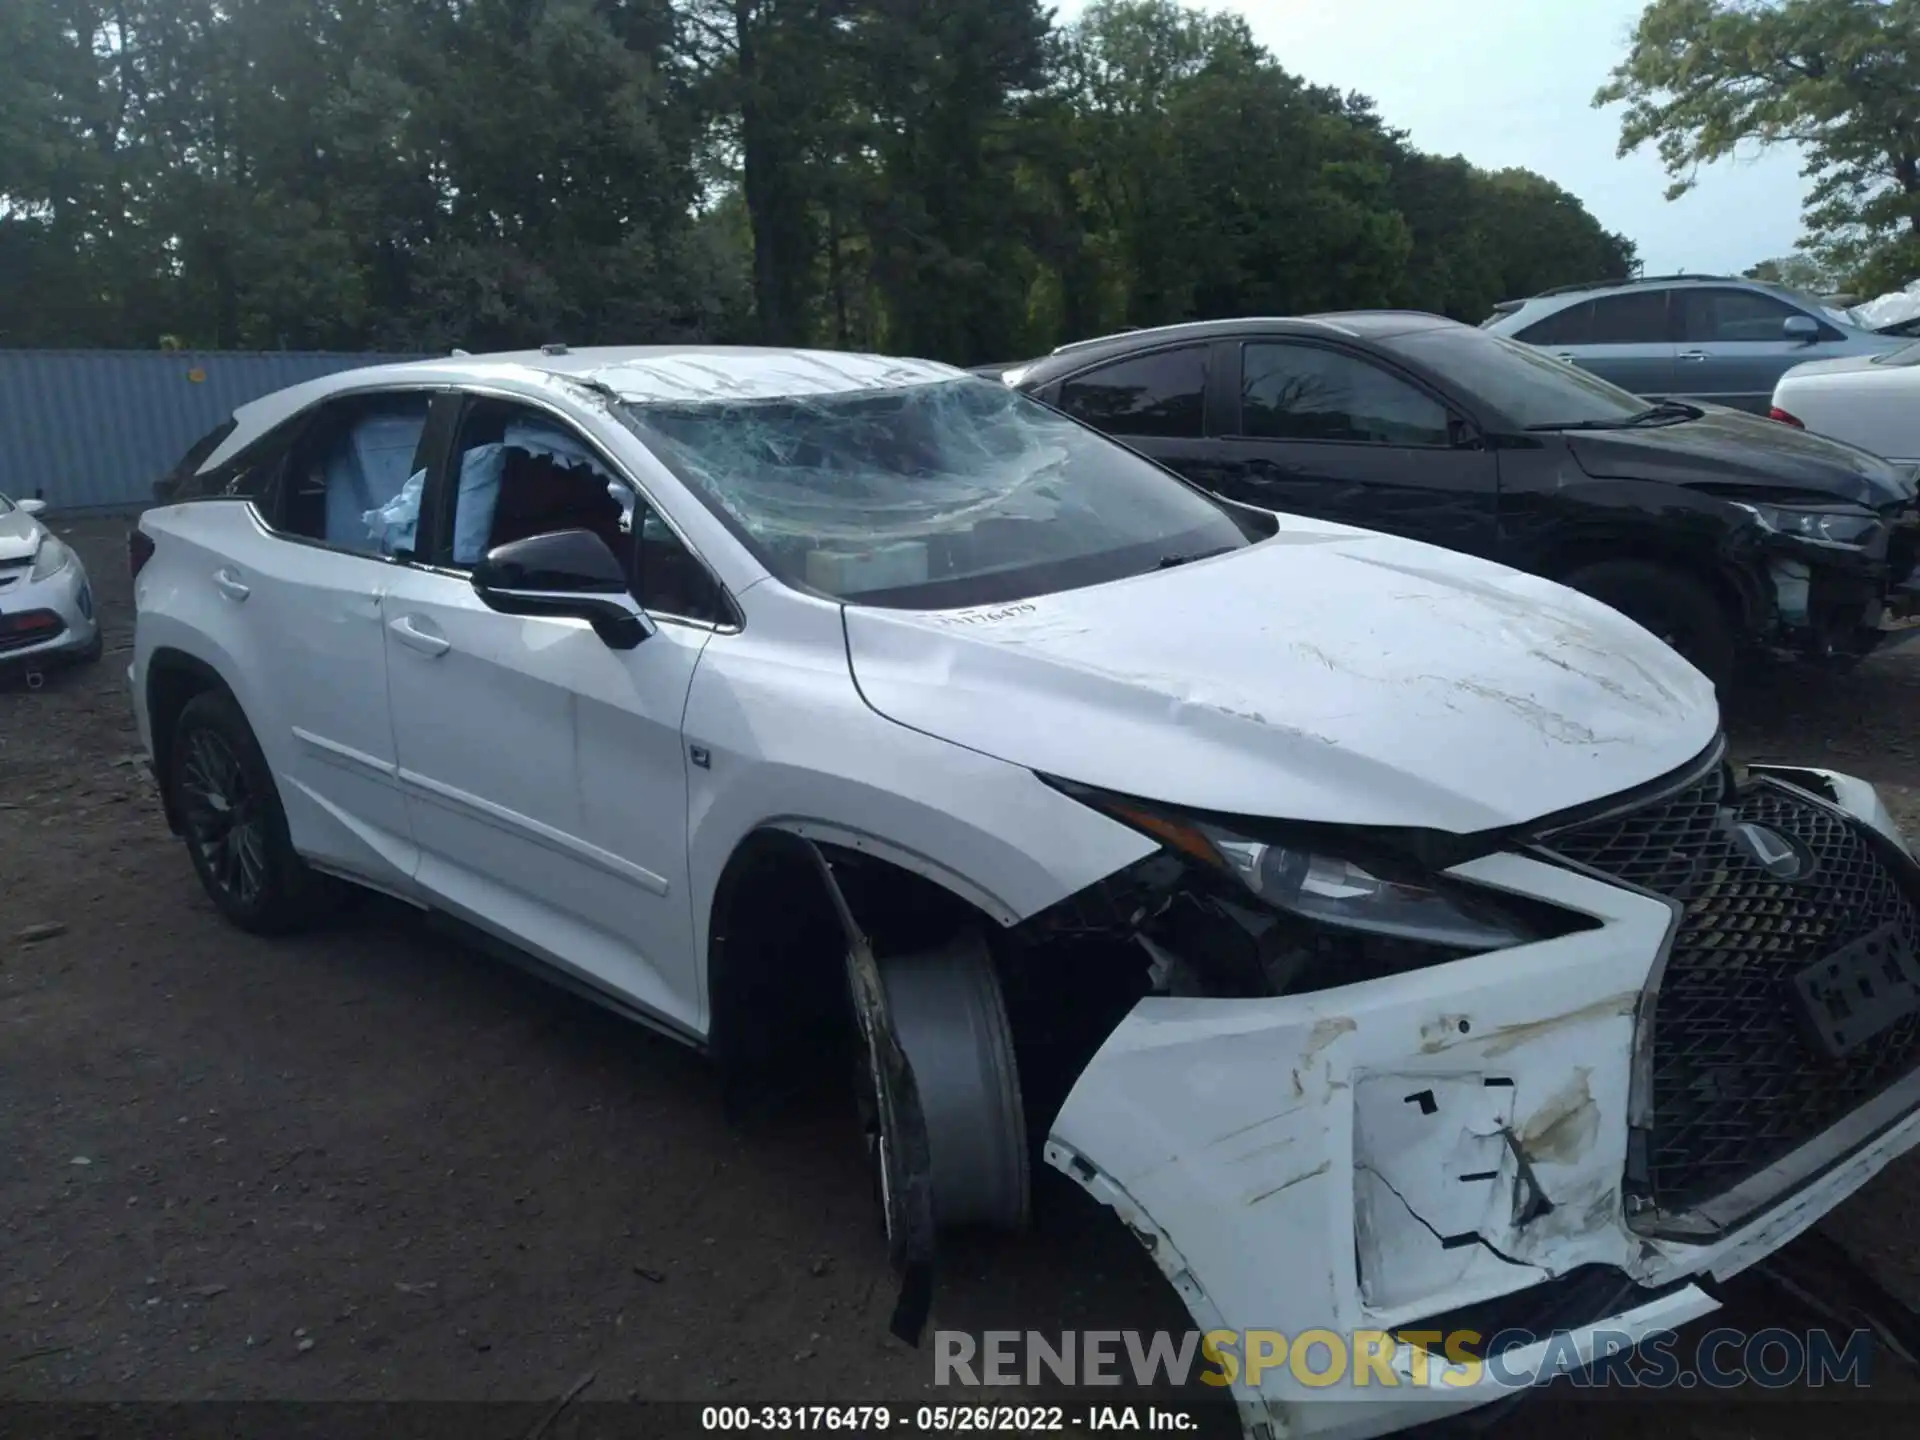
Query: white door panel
pixel 320 666
pixel 546 783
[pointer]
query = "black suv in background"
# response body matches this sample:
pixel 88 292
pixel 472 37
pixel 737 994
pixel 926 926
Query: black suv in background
pixel 1720 532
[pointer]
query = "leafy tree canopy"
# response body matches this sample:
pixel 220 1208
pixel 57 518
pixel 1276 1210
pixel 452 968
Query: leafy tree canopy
pixel 967 180
pixel 1840 78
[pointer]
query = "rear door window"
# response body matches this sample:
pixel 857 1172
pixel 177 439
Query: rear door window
pixel 1636 318
pixel 1571 326
pixel 1162 394
pixel 1639 318
pixel 353 476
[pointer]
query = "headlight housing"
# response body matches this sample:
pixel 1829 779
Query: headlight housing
pixel 1330 889
pixel 51 558
pixel 1339 892
pixel 1843 529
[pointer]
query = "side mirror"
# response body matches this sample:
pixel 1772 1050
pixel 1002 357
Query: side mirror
pixel 568 573
pixel 31 507
pixel 1801 328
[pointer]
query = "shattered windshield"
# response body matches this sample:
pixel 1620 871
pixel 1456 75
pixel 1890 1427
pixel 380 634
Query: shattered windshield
pixel 927 496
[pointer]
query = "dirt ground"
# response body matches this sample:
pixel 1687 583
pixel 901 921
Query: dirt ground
pixel 370 1164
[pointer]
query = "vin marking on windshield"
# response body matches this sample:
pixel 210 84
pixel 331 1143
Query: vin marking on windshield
pixel 985 617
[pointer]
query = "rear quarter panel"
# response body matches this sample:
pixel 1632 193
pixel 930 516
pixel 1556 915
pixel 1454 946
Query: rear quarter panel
pixel 177 608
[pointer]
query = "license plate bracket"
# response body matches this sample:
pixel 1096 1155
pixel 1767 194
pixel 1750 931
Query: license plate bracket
pixel 1859 991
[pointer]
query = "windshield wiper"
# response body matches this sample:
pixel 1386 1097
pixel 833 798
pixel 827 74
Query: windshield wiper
pixel 1665 410
pixel 1167 562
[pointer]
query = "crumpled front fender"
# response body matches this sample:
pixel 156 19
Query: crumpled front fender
pixel 1380 1156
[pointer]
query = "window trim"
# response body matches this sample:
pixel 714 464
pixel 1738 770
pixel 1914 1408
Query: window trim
pixel 1237 411
pixel 439 495
pixel 1208 351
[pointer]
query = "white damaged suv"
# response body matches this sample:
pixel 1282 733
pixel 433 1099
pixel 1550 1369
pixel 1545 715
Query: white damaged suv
pixel 1378 931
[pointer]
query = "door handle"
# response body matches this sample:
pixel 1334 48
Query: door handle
pixel 229 584
pixel 409 634
pixel 1693 354
pixel 1567 358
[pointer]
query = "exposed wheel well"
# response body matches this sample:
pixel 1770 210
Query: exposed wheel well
pixel 781 1014
pixel 779 1010
pixel 173 678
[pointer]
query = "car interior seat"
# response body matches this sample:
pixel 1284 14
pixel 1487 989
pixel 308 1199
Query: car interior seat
pixel 539 494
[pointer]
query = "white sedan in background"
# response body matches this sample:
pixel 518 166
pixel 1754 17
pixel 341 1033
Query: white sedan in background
pixel 1872 401
pixel 46 603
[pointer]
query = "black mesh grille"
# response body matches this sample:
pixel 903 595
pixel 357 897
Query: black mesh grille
pixel 1738 1081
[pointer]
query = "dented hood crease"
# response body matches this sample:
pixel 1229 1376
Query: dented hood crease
pixel 1327 674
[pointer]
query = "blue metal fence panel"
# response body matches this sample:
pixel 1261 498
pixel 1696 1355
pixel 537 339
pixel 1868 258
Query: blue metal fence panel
pixel 93 429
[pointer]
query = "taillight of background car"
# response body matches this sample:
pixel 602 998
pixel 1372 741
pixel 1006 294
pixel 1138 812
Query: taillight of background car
pixel 1786 418
pixel 139 551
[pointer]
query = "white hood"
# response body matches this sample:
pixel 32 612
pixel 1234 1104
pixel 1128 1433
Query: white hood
pixel 1327 674
pixel 19 535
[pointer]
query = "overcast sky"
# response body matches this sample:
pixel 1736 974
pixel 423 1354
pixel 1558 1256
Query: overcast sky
pixel 1507 82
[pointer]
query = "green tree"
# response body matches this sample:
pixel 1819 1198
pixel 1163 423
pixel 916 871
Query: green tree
pixel 774 79
pixel 943 86
pixel 1799 271
pixel 1540 235
pixel 1839 78
pixel 1119 70
pixel 962 180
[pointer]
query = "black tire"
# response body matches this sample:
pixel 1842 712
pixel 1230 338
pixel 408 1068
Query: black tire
pixel 222 789
pixel 1677 608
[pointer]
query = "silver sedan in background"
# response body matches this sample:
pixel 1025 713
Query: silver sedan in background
pixel 46 602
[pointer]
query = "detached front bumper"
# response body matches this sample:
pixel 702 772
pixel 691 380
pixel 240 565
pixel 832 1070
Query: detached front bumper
pixel 1835 605
pixel 42 621
pixel 1496 1142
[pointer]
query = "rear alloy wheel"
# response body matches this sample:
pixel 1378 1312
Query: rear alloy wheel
pixel 223 792
pixel 1682 612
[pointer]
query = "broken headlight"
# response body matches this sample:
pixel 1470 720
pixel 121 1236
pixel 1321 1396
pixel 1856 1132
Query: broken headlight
pixel 1843 529
pixel 1328 888
pixel 1336 891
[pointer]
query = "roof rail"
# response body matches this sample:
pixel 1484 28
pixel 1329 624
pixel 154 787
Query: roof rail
pixel 1629 280
pixel 1101 339
pixel 1178 326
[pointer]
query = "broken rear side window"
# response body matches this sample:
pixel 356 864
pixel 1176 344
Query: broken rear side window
pixel 955 492
pixel 183 482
